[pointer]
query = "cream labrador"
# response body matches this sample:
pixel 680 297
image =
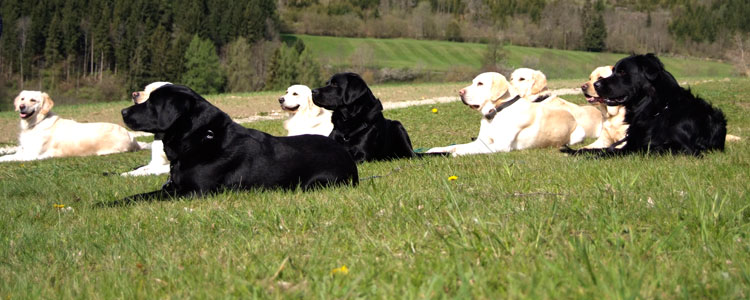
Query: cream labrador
pixel 159 163
pixel 614 127
pixel 44 134
pixel 532 84
pixel 306 117
pixel 511 122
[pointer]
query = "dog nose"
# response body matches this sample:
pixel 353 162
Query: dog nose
pixel 135 95
pixel 462 92
pixel 281 100
pixel 22 107
pixel 124 112
pixel 585 86
pixel 315 92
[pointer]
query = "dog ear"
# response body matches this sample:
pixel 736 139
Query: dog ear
pixel 170 107
pixel 653 66
pixel 540 82
pixel 499 86
pixel 355 88
pixel 47 104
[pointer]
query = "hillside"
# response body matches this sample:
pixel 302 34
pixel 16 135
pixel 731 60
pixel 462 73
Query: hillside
pixel 443 56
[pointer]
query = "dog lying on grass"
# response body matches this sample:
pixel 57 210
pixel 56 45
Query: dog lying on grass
pixel 614 126
pixel 307 118
pixel 45 135
pixel 358 121
pixel 511 122
pixel 662 116
pixel 532 84
pixel 209 152
pixel 159 163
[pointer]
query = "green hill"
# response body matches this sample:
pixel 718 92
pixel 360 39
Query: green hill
pixel 443 56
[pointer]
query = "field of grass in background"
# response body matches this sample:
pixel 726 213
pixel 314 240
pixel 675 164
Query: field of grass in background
pixel 527 224
pixel 445 56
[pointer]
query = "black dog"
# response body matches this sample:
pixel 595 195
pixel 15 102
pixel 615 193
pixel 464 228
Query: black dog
pixel 358 121
pixel 209 152
pixel 663 117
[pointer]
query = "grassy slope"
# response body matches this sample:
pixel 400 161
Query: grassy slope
pixel 528 224
pixel 444 56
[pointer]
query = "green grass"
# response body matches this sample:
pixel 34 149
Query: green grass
pixel 446 56
pixel 526 224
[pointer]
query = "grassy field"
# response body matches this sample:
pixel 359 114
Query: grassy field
pixel 446 56
pixel 528 224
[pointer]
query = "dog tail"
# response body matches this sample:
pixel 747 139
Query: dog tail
pixel 733 138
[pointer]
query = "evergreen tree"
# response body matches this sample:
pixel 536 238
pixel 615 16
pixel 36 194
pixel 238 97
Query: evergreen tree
pixel 53 50
pixel 282 70
pixel 309 70
pixel 202 68
pixel 594 28
pixel 238 66
pixel 159 43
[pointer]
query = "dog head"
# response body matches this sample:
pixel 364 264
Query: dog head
pixel 528 82
pixel 632 79
pixel 164 107
pixel 297 98
pixel 486 90
pixel 343 89
pixel 588 88
pixel 32 103
pixel 141 96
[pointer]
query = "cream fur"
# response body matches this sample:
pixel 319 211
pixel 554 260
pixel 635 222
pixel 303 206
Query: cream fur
pixel 533 84
pixel 44 134
pixel 522 125
pixel 306 117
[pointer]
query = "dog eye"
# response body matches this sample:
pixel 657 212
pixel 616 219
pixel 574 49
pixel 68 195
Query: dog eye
pixel 521 79
pixel 294 94
pixel 32 100
pixel 480 84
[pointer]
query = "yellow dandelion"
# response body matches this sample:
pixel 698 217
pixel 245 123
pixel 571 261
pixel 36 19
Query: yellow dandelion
pixel 434 110
pixel 59 205
pixel 452 178
pixel 343 270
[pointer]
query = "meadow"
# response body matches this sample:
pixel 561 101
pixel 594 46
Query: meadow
pixel 527 224
pixel 444 56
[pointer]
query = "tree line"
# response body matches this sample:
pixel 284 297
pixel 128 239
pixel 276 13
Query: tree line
pixel 103 45
pixel 101 49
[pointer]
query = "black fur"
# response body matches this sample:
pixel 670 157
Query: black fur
pixel 209 152
pixel 358 121
pixel 663 117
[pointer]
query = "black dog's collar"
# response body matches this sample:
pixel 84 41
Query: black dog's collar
pixel 491 114
pixel 541 98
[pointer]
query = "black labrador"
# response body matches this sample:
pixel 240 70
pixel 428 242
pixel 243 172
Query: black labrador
pixel 663 116
pixel 209 152
pixel 358 121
